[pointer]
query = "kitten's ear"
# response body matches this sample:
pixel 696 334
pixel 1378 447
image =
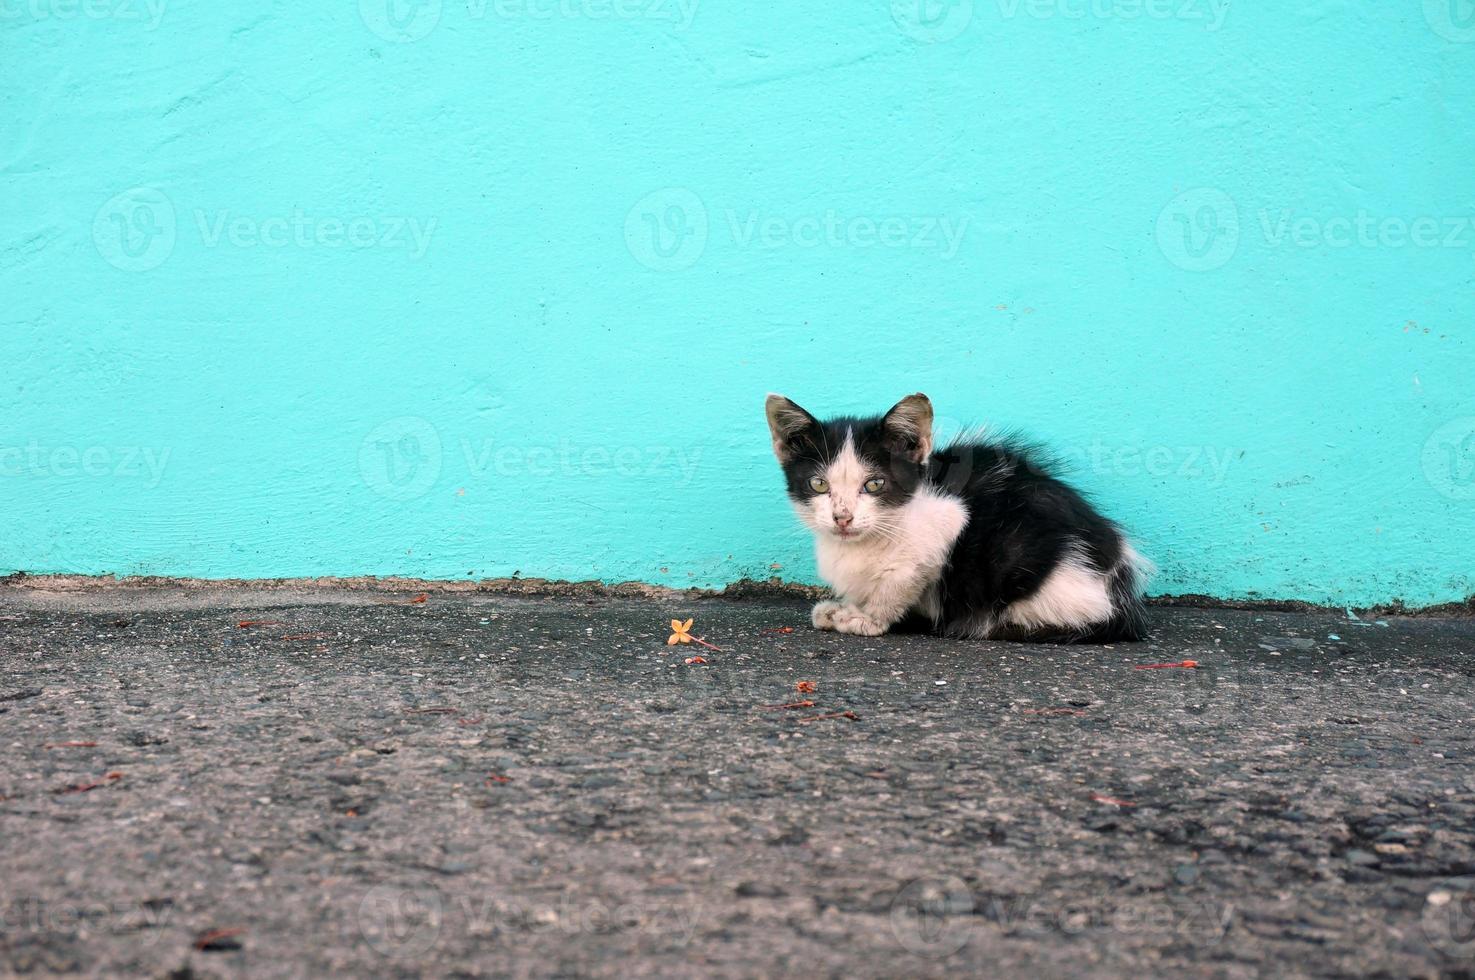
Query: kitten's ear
pixel 789 424
pixel 909 427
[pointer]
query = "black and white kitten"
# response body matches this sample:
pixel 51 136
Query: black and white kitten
pixel 975 540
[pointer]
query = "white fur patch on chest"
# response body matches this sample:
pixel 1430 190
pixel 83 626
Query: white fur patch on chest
pixel 914 545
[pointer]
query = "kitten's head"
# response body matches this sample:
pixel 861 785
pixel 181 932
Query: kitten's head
pixel 847 476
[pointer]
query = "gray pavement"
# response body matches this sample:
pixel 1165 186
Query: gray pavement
pixel 476 785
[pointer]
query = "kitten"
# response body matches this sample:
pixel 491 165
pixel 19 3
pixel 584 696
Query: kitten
pixel 975 540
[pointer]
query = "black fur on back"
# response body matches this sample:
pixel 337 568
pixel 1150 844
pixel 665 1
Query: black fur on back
pixel 1023 521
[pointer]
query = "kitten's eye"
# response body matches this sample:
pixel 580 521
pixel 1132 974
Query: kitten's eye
pixel 819 484
pixel 875 486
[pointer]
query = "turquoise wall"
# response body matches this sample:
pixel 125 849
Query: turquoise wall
pixel 469 288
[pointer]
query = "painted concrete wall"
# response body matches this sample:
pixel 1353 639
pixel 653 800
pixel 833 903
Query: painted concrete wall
pixel 471 287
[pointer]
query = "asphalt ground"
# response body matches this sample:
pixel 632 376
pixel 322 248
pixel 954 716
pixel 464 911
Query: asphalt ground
pixel 232 781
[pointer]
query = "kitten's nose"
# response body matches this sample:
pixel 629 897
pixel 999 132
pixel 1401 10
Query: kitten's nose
pixel 842 521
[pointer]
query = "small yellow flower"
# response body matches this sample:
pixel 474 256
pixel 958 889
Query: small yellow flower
pixel 681 632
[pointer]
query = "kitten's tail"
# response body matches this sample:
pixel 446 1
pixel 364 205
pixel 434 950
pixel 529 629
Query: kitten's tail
pixel 1125 583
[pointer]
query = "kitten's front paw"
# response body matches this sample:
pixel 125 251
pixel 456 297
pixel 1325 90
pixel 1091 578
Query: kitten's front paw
pixel 823 616
pixel 851 620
